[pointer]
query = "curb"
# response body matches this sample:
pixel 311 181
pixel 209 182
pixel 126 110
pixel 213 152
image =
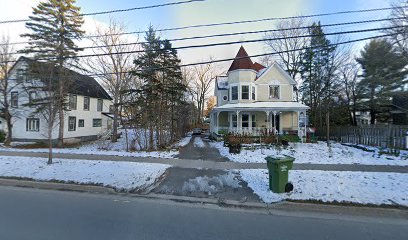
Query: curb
pixel 293 208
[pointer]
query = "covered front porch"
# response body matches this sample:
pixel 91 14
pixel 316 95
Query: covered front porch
pixel 258 121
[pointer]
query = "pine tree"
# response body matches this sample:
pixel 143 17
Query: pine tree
pixel 383 74
pixel 162 91
pixel 54 27
pixel 317 73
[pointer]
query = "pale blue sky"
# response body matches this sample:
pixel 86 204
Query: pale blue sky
pixel 210 11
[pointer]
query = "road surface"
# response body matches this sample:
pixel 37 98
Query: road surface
pixel 42 214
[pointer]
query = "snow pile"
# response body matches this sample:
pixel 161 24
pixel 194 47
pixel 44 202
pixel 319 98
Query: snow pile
pixel 183 142
pixel 333 186
pixel 94 150
pixel 123 176
pixel 211 185
pixel 198 142
pixel 317 153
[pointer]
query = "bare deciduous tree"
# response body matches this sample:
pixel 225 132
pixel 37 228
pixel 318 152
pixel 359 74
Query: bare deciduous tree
pixel 291 61
pixel 5 87
pixel 399 24
pixel 114 65
pixel 202 79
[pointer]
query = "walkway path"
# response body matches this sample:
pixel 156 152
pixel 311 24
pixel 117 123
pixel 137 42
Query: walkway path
pixel 206 152
pixel 208 164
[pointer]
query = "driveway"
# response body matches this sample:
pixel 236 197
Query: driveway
pixel 206 152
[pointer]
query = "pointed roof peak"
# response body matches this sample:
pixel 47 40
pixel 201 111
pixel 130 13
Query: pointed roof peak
pixel 241 61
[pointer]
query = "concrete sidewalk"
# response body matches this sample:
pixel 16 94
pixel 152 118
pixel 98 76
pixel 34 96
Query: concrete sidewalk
pixel 207 164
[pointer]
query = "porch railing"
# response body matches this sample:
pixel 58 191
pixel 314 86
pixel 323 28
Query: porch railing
pixel 254 131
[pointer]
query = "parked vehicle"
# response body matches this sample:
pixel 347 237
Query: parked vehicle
pixel 197 131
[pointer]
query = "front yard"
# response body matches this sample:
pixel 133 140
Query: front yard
pixel 122 176
pixel 316 153
pixel 375 188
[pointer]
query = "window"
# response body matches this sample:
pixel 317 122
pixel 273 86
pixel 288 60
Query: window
pixel 234 93
pixel 71 123
pixel 14 99
pixel 33 125
pixel 86 103
pixel 274 92
pixel 99 105
pixel 81 123
pixel 253 93
pixel 253 120
pixel 225 98
pixel 97 122
pixel 31 97
pixel 245 120
pixel 20 75
pixel 72 102
pixel 234 120
pixel 245 92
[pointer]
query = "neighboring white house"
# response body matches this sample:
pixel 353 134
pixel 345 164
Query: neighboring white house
pixel 253 99
pixel 87 118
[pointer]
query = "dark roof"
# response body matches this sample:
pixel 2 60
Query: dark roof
pixel 81 84
pixel 257 67
pixel 241 61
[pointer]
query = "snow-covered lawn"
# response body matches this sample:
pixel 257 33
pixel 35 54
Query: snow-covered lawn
pixel 123 176
pixel 183 142
pixel 105 147
pixel 333 186
pixel 198 142
pixel 317 153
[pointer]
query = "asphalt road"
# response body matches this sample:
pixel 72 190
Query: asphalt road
pixel 40 214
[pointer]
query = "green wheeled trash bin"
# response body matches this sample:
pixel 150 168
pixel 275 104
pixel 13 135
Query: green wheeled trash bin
pixel 279 167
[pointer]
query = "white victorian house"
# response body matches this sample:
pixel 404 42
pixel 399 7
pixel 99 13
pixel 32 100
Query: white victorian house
pixel 88 115
pixel 253 99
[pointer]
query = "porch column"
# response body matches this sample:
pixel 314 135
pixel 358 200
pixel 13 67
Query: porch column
pixel 218 116
pixel 274 122
pixel 268 127
pixel 238 123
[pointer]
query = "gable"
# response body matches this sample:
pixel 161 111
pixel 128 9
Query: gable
pixel 275 75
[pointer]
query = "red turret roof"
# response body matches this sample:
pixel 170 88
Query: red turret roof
pixel 258 66
pixel 241 61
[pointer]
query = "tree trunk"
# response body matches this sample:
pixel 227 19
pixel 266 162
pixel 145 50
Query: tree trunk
pixel 9 135
pixel 61 127
pixel 49 144
pixel 328 128
pixel 115 123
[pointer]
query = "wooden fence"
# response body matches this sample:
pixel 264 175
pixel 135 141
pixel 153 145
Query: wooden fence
pixel 392 136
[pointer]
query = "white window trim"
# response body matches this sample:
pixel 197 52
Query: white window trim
pixel 280 92
pixel 253 87
pixel 230 92
pixel 249 91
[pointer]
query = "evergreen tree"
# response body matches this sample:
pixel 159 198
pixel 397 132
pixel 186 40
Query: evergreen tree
pixel 54 26
pixel 383 74
pixel 162 90
pixel 317 73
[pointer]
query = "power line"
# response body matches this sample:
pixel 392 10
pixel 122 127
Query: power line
pixel 115 11
pixel 236 42
pixel 250 56
pixel 222 43
pixel 225 34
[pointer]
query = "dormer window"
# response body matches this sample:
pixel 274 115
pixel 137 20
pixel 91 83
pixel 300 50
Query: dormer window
pixel 234 93
pixel 274 92
pixel 245 92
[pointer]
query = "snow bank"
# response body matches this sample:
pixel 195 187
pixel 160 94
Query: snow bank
pixel 198 142
pixel 183 142
pixel 317 153
pixel 211 185
pixel 329 186
pixel 119 175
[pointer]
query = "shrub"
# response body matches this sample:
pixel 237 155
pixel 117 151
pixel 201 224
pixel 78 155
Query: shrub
pixel 2 136
pixel 289 138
